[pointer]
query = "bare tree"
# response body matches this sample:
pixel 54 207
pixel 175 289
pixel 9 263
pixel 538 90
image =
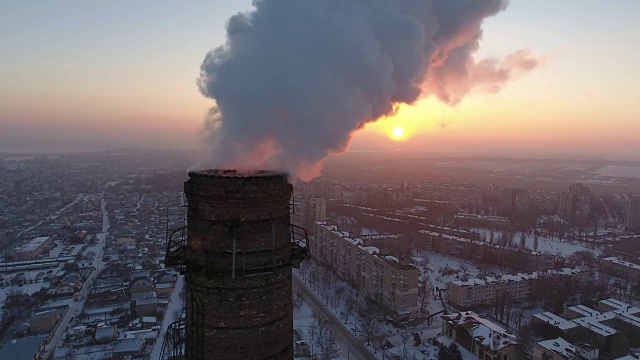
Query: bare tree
pixel 328 344
pixel 370 327
pixel 89 255
pixel 403 354
pixel 298 299
pixel 314 278
pixel 464 268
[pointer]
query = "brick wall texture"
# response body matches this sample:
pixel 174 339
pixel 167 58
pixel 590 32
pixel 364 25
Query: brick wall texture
pixel 238 307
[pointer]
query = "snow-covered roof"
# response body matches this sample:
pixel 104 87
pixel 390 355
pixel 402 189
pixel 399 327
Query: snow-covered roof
pixel 482 330
pixel 32 244
pixel 555 320
pixel 615 260
pixel 559 346
pixel 517 277
pixel 105 332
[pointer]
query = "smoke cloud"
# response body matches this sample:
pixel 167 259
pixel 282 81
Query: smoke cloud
pixel 296 79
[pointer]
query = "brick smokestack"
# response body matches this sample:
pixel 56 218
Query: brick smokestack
pixel 238 266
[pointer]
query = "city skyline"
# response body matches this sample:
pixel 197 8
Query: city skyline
pixel 129 79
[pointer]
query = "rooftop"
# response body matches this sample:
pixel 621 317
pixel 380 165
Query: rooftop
pixel 559 346
pixel 21 349
pixel 615 260
pixel 482 330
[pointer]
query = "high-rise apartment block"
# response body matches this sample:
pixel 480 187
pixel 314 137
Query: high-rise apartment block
pixel 390 282
pixel 575 204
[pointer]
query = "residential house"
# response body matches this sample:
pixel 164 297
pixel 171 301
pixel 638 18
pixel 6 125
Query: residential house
pixel 127 348
pixel 146 306
pixel 43 322
pixel 66 289
pixel 140 285
pixel 480 337
pixel 105 334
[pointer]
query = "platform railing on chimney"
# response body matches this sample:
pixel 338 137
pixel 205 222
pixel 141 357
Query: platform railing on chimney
pixel 246 263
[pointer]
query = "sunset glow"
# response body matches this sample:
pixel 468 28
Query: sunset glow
pixel 109 100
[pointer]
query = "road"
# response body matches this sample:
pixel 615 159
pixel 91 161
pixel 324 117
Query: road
pixel 76 306
pixel 356 350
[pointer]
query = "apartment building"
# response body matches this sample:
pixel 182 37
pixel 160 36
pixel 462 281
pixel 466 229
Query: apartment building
pixel 516 288
pixel 480 337
pixel 390 282
pixel 486 252
pixel 619 268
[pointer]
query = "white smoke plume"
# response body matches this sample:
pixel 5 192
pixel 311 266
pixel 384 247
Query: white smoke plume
pixel 296 78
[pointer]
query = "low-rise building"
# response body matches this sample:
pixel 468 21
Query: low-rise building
pixel 164 290
pixel 26 348
pixel 464 246
pixel 554 349
pixel 105 334
pixel 561 349
pixel 514 288
pixel 481 337
pixel 619 268
pixel 31 249
pixel 146 306
pixel 614 328
pixel 43 322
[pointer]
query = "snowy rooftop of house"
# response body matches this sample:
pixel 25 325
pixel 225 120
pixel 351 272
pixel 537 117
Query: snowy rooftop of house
pixel 105 332
pixel 483 330
pixel 559 346
pixel 615 260
pixel 555 320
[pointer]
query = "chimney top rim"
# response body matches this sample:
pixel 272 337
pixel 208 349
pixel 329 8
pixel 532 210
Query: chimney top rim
pixel 237 173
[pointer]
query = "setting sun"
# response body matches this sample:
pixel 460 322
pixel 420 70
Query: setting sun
pixel 397 132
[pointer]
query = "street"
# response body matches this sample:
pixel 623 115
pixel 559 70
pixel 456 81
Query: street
pixel 76 307
pixel 355 350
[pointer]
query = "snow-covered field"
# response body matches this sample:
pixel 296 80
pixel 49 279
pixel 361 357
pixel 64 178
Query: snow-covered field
pixel 442 269
pixel 552 245
pixel 620 171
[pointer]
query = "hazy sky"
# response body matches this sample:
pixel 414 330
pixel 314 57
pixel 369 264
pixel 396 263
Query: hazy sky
pixel 79 74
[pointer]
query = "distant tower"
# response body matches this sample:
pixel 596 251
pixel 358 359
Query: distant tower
pixel 237 254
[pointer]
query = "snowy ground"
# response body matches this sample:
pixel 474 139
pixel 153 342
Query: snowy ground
pixel 552 245
pixel 442 269
pixel 399 335
pixel 620 171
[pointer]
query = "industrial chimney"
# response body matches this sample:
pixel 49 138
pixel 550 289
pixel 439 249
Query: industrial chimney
pixel 236 253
